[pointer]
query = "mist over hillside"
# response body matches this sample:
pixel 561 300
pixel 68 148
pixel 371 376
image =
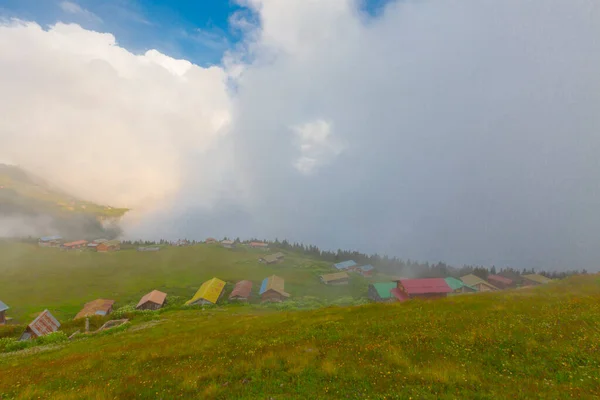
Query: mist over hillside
pixel 29 206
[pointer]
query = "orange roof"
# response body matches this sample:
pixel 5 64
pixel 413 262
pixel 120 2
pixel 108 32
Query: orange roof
pixel 96 307
pixel 155 296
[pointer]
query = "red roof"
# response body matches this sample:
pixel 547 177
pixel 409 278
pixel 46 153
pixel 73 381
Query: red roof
pixel 427 285
pixel 500 279
pixel 242 289
pixel 399 294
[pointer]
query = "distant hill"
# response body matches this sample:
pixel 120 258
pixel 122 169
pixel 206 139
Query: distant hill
pixel 28 201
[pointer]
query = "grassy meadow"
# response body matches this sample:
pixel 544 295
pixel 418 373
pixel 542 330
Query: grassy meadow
pixel 536 343
pixel 34 278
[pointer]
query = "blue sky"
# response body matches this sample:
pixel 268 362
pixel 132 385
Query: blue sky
pixel 197 30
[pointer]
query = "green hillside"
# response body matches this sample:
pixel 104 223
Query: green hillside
pixel 24 193
pixel 34 278
pixel 540 343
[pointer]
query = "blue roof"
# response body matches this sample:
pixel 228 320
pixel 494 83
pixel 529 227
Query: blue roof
pixel 367 267
pixel 49 238
pixel 345 264
pixel 263 286
pixel 3 307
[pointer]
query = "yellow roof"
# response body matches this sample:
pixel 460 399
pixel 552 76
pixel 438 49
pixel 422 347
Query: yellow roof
pixel 209 291
pixel 334 276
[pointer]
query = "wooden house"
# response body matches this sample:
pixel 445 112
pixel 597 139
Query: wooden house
pixel 152 301
pixel 477 283
pixel 78 244
pixel 210 241
pixel 50 241
pixel 513 276
pixel 272 258
pixel 426 288
pixel 44 324
pixel 241 291
pixel 3 308
pixel 338 278
pixel 209 293
pixel 228 244
pixel 259 245
pixel 110 245
pixel 459 286
pixel 272 289
pixel 365 270
pixel 381 292
pixel 535 280
pixel 93 244
pixel 345 265
pixel 148 248
pixel 501 281
pixel 100 307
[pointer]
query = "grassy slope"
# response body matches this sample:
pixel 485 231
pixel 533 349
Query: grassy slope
pixel 34 278
pixel 529 343
pixel 29 193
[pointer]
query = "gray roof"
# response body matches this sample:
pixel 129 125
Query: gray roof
pixel 3 307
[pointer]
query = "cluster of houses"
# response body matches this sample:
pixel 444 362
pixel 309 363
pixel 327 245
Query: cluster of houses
pixel 230 244
pixel 272 289
pixel 402 289
pixel 99 245
pixel 434 288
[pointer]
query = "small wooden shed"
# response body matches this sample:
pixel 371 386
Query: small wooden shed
pixel 100 307
pixel 381 291
pixel 272 289
pixel 241 291
pixel 209 293
pixel 3 308
pixel 479 284
pixel 152 301
pixel 338 278
pixel 111 245
pixel 501 281
pixel 535 280
pixel 44 324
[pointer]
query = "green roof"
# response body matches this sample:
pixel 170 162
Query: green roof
pixel 456 283
pixel 383 289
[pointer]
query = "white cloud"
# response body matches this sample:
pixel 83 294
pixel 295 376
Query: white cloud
pixel 104 123
pixel 76 9
pixel 316 144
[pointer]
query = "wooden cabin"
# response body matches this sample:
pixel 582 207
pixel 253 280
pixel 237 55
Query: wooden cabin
pixel 78 244
pixel 535 280
pixel 477 283
pixel 459 286
pixel 501 281
pixel 381 292
pixel 426 288
pixel 209 293
pixel 110 245
pixel 3 308
pixel 241 291
pixel 272 289
pixel 338 278
pixel 44 324
pixel 345 265
pixel 152 301
pixel 100 307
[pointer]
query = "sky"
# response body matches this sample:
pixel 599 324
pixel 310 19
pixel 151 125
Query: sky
pixel 462 131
